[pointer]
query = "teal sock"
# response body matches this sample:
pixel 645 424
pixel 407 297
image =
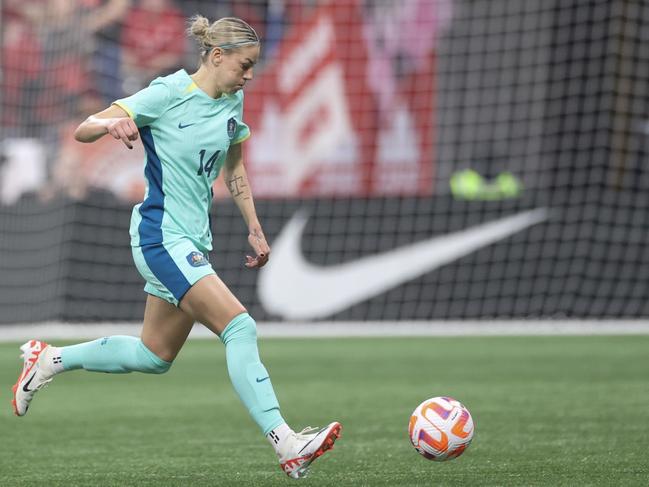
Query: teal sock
pixel 115 355
pixel 248 375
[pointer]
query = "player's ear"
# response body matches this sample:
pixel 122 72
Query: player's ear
pixel 216 56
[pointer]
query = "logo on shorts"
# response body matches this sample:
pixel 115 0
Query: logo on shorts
pixel 196 259
pixel 232 126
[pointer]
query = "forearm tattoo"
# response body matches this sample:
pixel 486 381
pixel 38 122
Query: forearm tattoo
pixel 237 186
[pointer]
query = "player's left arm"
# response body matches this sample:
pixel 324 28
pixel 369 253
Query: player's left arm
pixel 236 179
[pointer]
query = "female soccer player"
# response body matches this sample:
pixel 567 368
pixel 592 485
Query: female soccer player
pixel 192 128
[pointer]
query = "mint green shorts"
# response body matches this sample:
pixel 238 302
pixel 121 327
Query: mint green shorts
pixel 172 268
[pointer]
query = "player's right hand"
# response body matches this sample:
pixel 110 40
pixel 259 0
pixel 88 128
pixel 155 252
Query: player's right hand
pixel 123 129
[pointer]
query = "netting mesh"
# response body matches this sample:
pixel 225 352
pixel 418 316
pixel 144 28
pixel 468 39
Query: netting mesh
pixel 381 124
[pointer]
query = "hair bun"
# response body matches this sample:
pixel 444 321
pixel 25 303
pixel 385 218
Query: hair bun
pixel 198 26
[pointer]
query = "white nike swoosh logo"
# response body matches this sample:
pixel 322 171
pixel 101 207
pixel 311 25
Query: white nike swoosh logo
pixel 293 288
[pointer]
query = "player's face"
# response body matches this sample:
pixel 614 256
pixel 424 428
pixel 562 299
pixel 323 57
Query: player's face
pixel 237 66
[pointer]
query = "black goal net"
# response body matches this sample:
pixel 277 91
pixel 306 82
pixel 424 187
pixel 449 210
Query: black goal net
pixel 410 160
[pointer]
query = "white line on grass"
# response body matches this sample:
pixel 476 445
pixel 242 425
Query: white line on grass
pixel 79 331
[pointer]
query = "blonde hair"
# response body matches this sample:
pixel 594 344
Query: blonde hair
pixel 226 33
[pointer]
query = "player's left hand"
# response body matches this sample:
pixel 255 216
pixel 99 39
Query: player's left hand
pixel 257 241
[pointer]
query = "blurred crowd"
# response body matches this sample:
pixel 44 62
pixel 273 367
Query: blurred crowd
pixel 62 59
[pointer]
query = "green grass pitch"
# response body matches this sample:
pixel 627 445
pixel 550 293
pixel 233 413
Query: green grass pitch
pixel 551 411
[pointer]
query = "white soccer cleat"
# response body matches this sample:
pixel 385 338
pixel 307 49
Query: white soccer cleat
pixel 306 446
pixel 32 377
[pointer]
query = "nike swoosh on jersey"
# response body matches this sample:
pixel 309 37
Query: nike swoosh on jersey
pixel 181 126
pixel 293 288
pixel 263 379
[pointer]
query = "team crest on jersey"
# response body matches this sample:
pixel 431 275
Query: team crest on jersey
pixel 232 127
pixel 196 259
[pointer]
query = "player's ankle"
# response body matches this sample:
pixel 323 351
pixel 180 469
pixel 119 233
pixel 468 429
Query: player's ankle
pixel 50 362
pixel 279 438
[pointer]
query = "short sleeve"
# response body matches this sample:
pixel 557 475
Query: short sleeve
pixel 145 106
pixel 242 131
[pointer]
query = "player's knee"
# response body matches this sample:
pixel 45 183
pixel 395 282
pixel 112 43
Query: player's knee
pixel 157 368
pixel 150 363
pixel 241 328
pixel 248 327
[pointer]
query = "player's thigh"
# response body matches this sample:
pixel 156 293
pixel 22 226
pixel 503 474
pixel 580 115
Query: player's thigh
pixel 210 302
pixel 165 328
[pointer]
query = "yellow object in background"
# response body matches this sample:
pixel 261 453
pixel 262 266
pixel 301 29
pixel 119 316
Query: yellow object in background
pixel 469 185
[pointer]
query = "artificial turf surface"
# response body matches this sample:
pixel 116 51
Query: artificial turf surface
pixel 552 411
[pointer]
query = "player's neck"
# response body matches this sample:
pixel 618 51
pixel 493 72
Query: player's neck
pixel 205 82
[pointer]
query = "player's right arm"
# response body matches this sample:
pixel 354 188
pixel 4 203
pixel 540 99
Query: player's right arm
pixel 124 116
pixel 114 120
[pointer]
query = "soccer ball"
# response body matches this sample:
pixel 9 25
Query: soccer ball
pixel 441 428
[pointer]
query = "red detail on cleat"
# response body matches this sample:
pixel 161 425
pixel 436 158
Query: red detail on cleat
pixel 13 401
pixel 28 364
pixel 301 464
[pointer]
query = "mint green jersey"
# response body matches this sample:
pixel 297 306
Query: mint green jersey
pixel 186 136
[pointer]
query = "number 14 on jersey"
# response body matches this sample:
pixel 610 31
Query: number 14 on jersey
pixel 207 167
